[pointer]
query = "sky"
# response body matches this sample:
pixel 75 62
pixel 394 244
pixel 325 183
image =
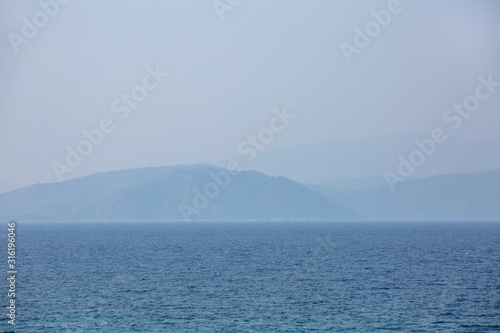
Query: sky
pixel 218 71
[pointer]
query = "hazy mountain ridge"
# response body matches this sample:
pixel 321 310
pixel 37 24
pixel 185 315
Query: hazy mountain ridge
pixel 372 157
pixel 452 197
pixel 353 184
pixel 156 193
pixel 56 200
pixel 8 187
pixel 159 194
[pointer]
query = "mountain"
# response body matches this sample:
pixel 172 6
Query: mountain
pixel 7 187
pixel 372 157
pixel 171 193
pixel 46 201
pixel 452 197
pixel 352 184
pixel 204 192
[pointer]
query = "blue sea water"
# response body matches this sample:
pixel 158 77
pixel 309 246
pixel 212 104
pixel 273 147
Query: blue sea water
pixel 256 277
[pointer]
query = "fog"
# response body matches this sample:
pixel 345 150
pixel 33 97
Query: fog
pixel 202 76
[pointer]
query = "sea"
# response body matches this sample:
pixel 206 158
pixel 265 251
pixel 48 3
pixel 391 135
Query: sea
pixel 255 277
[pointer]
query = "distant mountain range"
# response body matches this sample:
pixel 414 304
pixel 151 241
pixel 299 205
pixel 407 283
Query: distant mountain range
pixel 7 187
pixel 204 192
pixel 171 193
pixel 352 184
pixel 452 197
pixel 372 157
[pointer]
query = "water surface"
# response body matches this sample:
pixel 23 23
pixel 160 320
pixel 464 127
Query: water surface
pixel 258 277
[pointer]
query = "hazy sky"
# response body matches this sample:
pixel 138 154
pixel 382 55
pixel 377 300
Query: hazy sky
pixel 226 76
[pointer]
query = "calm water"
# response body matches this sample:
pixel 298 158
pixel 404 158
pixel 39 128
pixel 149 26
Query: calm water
pixel 257 277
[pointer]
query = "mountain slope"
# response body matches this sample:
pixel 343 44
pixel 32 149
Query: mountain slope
pixel 353 184
pixel 165 193
pixel 453 197
pixel 372 157
pixel 55 200
pixel 8 187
